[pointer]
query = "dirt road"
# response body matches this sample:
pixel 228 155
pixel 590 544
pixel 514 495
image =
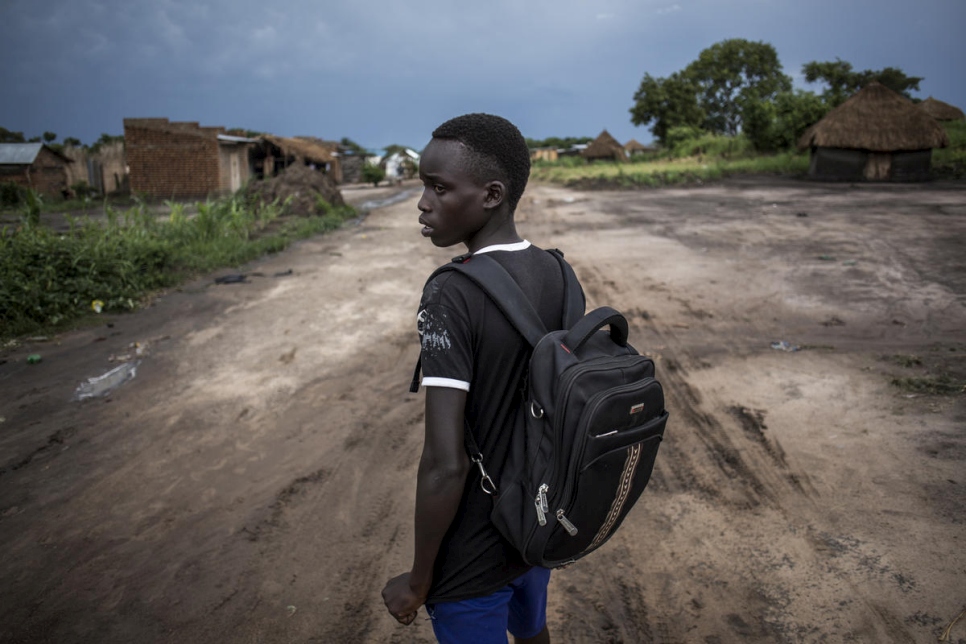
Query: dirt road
pixel 254 482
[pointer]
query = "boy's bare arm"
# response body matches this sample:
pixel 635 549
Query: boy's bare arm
pixel 443 468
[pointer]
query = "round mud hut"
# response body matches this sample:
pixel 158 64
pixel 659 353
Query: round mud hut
pixel 604 147
pixel 877 135
pixel 941 111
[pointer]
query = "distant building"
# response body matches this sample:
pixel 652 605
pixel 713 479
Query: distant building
pixel 544 154
pixel 604 147
pixel 633 148
pixel 103 167
pixel 941 111
pixel 182 159
pixel 876 135
pixel 401 165
pixel 36 166
pixel 275 153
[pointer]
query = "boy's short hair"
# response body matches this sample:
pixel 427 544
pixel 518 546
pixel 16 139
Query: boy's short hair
pixel 500 151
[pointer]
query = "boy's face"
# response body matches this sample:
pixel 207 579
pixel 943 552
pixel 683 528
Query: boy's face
pixel 452 204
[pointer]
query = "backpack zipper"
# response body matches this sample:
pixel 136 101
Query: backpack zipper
pixel 565 522
pixel 541 504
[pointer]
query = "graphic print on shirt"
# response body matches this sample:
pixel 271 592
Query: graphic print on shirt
pixel 433 335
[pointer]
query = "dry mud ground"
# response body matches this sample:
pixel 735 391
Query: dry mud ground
pixel 255 481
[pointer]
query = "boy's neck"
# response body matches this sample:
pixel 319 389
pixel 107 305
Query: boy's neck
pixel 504 233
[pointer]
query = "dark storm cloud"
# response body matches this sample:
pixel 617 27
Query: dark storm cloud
pixel 383 72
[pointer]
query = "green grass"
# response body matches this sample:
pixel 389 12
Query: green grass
pixel 666 171
pixel 711 157
pixel 950 162
pixel 49 279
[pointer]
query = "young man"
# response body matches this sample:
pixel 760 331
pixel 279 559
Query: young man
pixel 475 586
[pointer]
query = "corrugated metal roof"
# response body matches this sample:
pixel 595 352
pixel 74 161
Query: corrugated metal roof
pixel 19 153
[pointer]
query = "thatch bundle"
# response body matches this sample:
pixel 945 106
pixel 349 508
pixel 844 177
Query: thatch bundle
pixel 299 148
pixel 941 111
pixel 604 146
pixel 878 120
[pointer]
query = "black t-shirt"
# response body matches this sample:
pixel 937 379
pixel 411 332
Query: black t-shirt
pixel 468 344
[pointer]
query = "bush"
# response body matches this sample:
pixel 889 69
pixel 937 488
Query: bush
pixel 373 174
pixel 82 189
pixel 49 278
pixel 779 125
pixel 11 194
pixel 691 142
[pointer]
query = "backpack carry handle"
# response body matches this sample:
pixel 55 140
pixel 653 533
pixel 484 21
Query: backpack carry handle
pixel 593 322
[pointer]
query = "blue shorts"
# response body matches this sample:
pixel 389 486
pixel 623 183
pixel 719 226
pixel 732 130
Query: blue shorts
pixel 519 607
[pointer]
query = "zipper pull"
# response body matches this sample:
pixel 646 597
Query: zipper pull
pixel 567 525
pixel 544 488
pixel 541 504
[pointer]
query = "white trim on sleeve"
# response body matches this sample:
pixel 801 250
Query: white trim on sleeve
pixel 446 382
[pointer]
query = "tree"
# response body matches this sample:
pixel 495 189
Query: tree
pixel 777 125
pixel 49 137
pixel 842 81
pixel 9 136
pixel 733 74
pixel 667 102
pixel 349 144
pixel 713 91
pixel 72 142
pixel 373 174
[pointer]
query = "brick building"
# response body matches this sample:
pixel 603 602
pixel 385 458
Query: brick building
pixel 182 159
pixel 36 166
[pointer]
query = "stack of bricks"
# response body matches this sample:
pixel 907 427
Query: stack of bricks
pixel 172 160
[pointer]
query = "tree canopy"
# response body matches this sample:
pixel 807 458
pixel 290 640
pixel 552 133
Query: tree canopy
pixel 9 136
pixel 349 144
pixel 713 91
pixel 841 81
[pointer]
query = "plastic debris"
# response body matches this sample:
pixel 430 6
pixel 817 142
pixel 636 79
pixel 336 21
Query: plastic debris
pixel 781 345
pixel 290 610
pixel 826 258
pixel 232 279
pixel 801 214
pixel 849 262
pixel 34 358
pixel 106 383
pixel 97 306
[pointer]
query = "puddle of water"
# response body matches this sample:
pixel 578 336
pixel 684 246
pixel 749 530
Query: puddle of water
pixel 388 201
pixel 106 383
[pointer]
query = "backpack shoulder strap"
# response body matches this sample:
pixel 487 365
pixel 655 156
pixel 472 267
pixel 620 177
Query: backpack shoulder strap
pixel 496 282
pixel 574 302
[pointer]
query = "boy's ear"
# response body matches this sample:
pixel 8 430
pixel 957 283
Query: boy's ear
pixel 495 194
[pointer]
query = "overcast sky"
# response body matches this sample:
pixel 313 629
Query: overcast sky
pixel 384 72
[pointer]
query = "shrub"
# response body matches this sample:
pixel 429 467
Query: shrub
pixel 49 278
pixel 11 194
pixel 373 174
pixel 82 189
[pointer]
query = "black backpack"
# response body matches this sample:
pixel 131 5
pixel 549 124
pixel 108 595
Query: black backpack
pixel 594 420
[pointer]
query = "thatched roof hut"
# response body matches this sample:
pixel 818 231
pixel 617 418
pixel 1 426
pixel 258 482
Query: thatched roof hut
pixel 941 111
pixel 875 135
pixel 633 148
pixel 604 147
pixel 279 152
